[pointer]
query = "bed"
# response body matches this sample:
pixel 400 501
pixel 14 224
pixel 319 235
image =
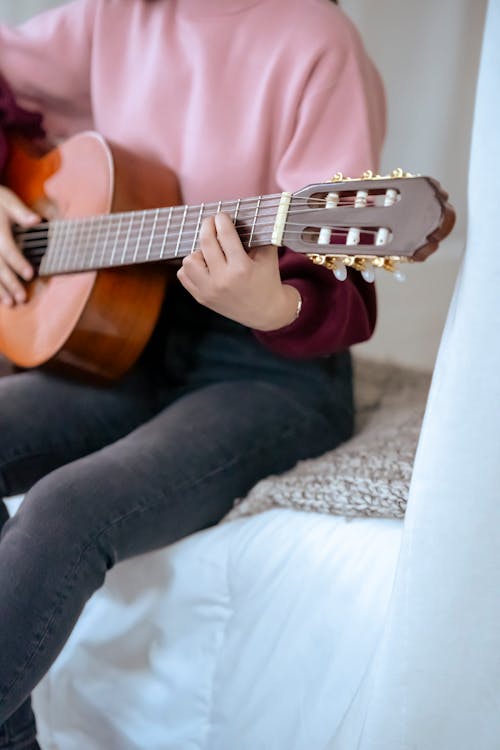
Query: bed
pixel 259 633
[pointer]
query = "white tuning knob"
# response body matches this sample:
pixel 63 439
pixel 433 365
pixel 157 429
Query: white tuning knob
pixel 399 275
pixel 340 271
pixel 368 274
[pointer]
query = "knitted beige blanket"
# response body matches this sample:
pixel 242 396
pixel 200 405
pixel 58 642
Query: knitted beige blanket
pixel 368 475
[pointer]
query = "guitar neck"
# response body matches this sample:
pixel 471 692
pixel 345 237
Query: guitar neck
pixel 134 237
pixel 374 221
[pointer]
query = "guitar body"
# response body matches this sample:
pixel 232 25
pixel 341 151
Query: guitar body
pixel 92 324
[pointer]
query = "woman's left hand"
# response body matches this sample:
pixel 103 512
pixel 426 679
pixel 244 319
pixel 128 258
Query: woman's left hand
pixel 245 287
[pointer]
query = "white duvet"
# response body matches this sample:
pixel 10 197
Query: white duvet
pixel 257 634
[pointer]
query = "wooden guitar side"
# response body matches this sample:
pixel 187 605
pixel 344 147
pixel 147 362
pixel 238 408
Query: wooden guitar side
pixel 90 324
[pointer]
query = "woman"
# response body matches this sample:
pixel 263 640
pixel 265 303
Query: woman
pixel 248 370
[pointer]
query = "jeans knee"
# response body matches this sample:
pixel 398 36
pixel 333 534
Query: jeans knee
pixel 50 507
pixel 62 524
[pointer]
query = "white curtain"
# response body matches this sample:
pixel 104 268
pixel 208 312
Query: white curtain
pixel 436 685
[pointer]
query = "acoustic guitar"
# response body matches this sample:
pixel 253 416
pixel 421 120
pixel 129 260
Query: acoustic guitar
pixel 100 280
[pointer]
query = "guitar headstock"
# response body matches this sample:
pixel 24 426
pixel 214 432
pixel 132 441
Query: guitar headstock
pixel 367 223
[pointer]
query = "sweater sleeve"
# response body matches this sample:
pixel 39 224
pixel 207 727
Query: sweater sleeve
pixel 14 118
pixel 340 126
pixel 334 315
pixel 46 62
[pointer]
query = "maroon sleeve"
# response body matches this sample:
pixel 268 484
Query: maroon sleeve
pixel 15 119
pixel 334 315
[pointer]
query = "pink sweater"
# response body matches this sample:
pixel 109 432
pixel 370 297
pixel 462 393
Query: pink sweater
pixel 238 97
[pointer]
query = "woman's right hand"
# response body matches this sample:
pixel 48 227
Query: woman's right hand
pixel 13 265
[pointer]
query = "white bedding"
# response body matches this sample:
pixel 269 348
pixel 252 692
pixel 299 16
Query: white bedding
pixel 254 635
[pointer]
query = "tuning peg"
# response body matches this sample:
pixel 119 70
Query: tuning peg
pixel 368 273
pixel 399 172
pixel 399 275
pixel 392 265
pixel 340 271
pixel 365 264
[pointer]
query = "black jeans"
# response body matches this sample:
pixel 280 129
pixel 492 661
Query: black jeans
pixel 112 473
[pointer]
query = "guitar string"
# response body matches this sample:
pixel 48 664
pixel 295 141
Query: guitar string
pixel 41 250
pixel 89 242
pixel 41 231
pixel 186 236
pixel 133 215
pixel 81 261
pixel 84 259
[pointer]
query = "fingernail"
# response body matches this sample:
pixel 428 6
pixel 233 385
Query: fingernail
pixel 27 273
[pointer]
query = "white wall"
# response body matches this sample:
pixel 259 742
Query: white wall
pixel 17 10
pixel 428 55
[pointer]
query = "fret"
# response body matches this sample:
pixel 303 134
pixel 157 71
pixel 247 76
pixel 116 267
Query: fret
pixel 165 234
pixel 180 231
pixel 124 251
pixel 72 244
pixel 46 265
pixel 94 222
pixel 198 224
pixel 63 255
pixel 252 231
pixel 151 237
pixel 237 210
pixel 139 236
pixel 49 261
pixel 115 243
pixel 107 223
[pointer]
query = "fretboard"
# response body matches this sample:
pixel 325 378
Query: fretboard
pixel 154 235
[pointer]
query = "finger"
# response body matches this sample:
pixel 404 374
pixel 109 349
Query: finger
pixel 213 253
pixel 10 284
pixel 12 291
pixel 229 240
pixel 265 255
pixel 10 253
pixel 187 283
pixel 5 297
pixel 16 210
pixel 195 267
